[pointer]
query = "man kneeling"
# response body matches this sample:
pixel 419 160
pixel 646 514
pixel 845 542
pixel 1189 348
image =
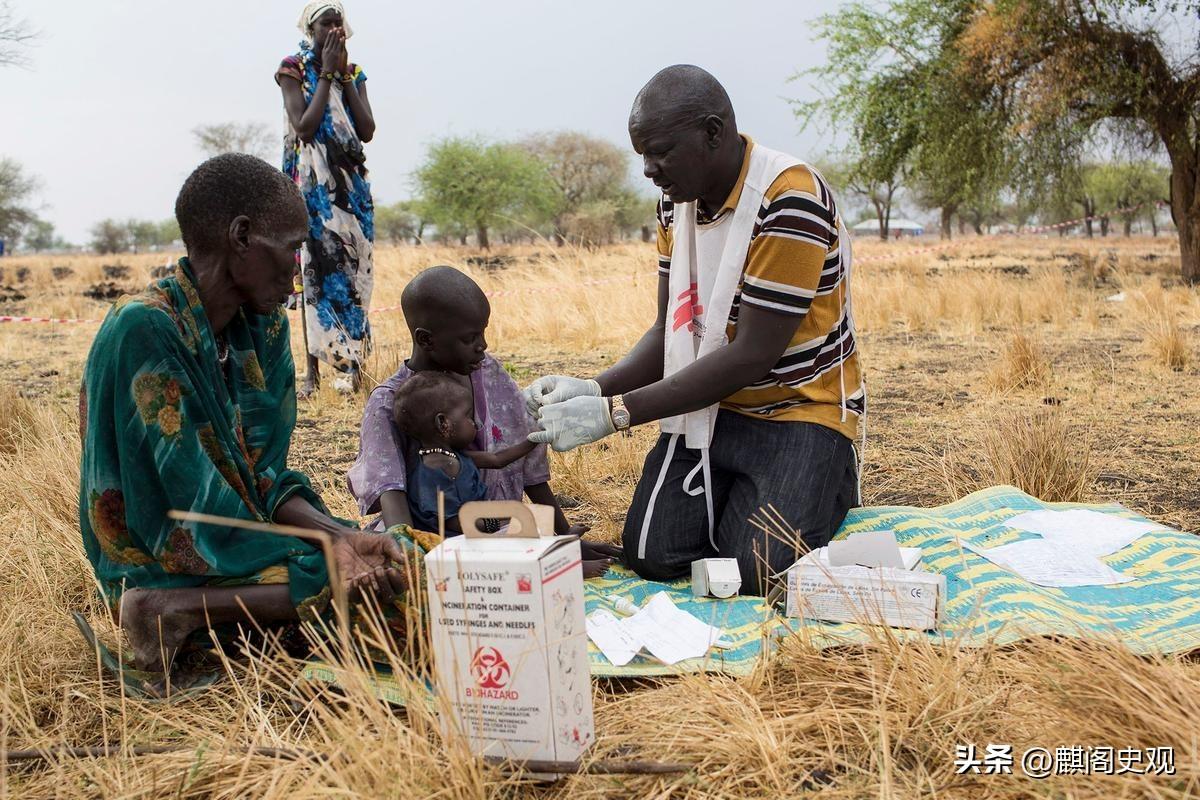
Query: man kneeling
pixel 760 391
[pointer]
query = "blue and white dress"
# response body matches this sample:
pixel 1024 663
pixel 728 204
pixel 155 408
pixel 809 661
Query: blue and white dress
pixel 335 261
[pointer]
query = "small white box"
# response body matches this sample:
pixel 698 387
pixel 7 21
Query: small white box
pixel 716 577
pixel 901 597
pixel 509 640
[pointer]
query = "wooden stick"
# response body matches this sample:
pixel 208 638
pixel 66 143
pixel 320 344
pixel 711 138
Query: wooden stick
pixel 442 514
pixel 341 601
pixel 533 765
pixel 592 767
pixel 108 750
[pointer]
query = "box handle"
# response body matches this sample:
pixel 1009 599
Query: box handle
pixel 515 512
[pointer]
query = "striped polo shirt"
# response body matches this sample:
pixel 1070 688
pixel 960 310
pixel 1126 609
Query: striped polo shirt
pixel 794 267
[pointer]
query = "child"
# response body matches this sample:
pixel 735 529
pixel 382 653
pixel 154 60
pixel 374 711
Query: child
pixel 435 412
pixel 447 315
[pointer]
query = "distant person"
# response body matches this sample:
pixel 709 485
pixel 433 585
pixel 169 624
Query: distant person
pixel 447 315
pixel 329 119
pixel 188 402
pixel 1 248
pixel 751 365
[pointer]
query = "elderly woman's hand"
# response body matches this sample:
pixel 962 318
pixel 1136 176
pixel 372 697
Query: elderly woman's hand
pixel 370 562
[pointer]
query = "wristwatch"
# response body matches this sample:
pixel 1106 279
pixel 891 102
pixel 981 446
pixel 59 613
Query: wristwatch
pixel 620 414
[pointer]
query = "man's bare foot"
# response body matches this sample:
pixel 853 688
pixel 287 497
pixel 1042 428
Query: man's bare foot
pixel 156 630
pixel 307 388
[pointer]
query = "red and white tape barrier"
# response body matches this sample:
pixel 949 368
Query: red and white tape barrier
pixel 1027 232
pixel 58 320
pixel 599 281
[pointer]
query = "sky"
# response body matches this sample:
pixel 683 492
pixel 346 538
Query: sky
pixel 103 116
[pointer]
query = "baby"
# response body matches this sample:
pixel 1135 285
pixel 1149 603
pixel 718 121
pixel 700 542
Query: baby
pixel 447 316
pixel 436 412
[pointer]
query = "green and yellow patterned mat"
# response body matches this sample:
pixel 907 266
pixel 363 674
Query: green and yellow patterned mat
pixel 1158 611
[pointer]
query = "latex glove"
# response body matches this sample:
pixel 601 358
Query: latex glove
pixel 577 421
pixel 555 389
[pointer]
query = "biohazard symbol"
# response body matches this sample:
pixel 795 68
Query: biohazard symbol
pixel 490 669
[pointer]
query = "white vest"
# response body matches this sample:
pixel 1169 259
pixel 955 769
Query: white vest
pixel 706 268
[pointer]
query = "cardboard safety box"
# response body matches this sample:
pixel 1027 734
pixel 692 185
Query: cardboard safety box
pixel 866 578
pixel 509 639
pixel 715 577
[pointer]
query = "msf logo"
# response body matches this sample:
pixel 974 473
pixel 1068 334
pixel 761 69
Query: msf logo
pixel 688 312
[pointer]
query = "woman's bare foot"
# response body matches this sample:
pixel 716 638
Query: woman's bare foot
pixel 156 628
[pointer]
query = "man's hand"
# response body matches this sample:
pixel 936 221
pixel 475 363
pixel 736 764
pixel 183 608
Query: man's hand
pixel 577 421
pixel 370 562
pixel 556 389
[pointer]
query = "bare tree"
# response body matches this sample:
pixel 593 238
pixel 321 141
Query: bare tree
pixel 254 138
pixel 15 37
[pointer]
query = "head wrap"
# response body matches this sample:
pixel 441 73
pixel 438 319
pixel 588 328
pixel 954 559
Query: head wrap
pixel 315 9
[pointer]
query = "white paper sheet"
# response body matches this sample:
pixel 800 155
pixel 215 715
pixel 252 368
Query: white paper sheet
pixel 610 636
pixel 866 549
pixel 669 633
pixel 1087 532
pixel 1048 562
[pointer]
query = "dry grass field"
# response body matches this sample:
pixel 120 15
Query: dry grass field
pixel 991 361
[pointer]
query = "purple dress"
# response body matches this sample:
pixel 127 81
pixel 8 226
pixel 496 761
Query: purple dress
pixel 503 422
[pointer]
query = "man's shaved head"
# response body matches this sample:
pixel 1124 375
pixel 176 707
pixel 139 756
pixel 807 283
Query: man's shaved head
pixel 682 125
pixel 439 294
pixel 682 94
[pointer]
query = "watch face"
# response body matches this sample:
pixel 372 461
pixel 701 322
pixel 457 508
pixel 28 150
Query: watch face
pixel 620 419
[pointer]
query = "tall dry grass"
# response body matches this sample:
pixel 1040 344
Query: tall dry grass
pixel 1023 365
pixel 852 722
pixel 1038 451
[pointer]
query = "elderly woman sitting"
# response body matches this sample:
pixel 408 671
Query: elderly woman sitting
pixel 188 402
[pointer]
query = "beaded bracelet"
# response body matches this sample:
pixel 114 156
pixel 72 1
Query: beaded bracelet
pixel 331 76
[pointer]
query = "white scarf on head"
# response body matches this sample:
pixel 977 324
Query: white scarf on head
pixel 315 9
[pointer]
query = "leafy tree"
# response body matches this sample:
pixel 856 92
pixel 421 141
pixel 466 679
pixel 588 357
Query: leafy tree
pixel 143 234
pixel 1067 69
pixel 254 138
pixel 636 213
pixel 875 165
pixel 468 184
pixel 894 77
pixel 168 232
pixel 15 37
pixel 39 236
pixel 110 236
pixel 584 170
pixel 592 224
pixel 398 222
pixel 16 190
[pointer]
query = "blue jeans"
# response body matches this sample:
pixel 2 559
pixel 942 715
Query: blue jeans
pixel 807 472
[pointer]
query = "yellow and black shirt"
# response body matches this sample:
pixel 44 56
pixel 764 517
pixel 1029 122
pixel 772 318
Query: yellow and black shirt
pixel 794 266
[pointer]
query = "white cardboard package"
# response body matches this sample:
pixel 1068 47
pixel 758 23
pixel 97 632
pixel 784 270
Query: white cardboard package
pixel 900 596
pixel 715 577
pixel 509 640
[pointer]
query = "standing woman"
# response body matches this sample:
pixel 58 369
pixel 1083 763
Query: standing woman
pixel 329 119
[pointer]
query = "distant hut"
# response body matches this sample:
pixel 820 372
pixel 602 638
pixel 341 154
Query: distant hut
pixel 896 228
